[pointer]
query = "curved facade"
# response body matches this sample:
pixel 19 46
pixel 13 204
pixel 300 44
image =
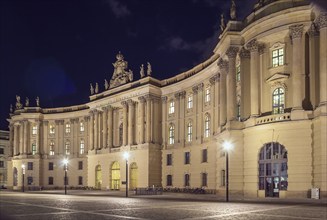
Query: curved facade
pixel 263 90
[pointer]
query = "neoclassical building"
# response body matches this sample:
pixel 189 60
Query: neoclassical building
pixel 263 90
pixel 4 153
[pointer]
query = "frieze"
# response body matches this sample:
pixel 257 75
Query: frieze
pixel 296 31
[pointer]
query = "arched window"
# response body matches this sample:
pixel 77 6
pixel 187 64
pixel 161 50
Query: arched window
pixel 121 134
pixel 278 100
pixel 67 147
pixel 115 176
pixel 207 125
pixel 189 132
pixel 171 139
pixel 273 175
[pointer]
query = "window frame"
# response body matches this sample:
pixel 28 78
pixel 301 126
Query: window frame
pixel 279 107
pixel 189 136
pixel 207 125
pixel 187 157
pixel 67 147
pixel 67 128
pixel 52 129
pixel 171 134
pixel 169 159
pixel 82 147
pixel 34 130
pixel 171 108
pixel 207 95
pixel 190 101
pixel 51 148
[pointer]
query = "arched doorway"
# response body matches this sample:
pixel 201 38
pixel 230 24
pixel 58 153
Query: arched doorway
pixel 115 176
pixel 133 176
pixel 98 177
pixel 273 175
pixel 15 177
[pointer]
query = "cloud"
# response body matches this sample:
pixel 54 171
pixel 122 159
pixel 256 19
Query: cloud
pixel 118 8
pixel 177 43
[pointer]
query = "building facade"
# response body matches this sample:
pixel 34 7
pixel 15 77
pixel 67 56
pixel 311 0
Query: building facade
pixel 4 154
pixel 263 90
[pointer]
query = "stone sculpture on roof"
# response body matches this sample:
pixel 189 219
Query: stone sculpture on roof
pixel 18 103
pixel 121 74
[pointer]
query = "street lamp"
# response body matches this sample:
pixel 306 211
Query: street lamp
pixel 227 147
pixel 65 167
pixel 126 156
pixel 23 167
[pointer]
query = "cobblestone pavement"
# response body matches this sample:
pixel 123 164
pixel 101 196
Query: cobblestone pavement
pixel 90 205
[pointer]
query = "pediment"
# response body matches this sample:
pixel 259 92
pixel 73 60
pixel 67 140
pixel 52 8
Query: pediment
pixel 281 77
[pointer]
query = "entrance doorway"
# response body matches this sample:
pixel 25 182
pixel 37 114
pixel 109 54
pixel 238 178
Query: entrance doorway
pixel 273 175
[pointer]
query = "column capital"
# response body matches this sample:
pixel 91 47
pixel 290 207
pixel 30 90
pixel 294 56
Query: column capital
pixel 130 102
pixel 195 89
pixel 232 52
pixel 296 31
pixel 253 45
pixel 245 54
pixel 176 95
pixel 200 87
pixel 86 118
pixel 322 20
pixel 164 99
pixel 124 103
pixel 223 64
pixel 313 30
pixel 59 122
pixel 261 48
pixel 105 108
pixel 214 79
pixel 45 122
pixel 141 99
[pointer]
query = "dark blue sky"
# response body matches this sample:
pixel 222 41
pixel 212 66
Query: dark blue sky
pixel 55 48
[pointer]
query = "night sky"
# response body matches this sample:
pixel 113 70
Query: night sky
pixel 55 48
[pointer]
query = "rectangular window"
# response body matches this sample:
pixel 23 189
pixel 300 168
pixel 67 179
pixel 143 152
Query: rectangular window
pixel 67 130
pixel 52 129
pixel 169 180
pixel 171 109
pixel 50 180
pixel 187 180
pixel 51 150
pixel 81 127
pixel 50 166
pixel 29 165
pixel 81 147
pixel 222 178
pixel 169 159
pixel 187 158
pixel 80 165
pixel 204 155
pixel 34 130
pixel 33 149
pixel 67 148
pixel 80 180
pixel 29 180
pixel 189 132
pixel 2 164
pixel 190 101
pixel 207 95
pixel 2 151
pixel 278 57
pixel 204 179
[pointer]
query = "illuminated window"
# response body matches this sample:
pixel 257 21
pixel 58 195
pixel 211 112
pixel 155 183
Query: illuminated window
pixel 278 104
pixel 187 180
pixel 81 127
pixel 33 149
pixel 189 132
pixel 278 57
pixel 67 147
pixel 207 126
pixel 238 73
pixel 67 129
pixel 51 150
pixel 81 147
pixel 171 134
pixel 171 107
pixel 52 129
pixel 207 95
pixel 190 101
pixel 34 129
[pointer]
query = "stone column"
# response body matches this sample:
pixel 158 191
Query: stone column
pixel 182 116
pixel 21 129
pixel 177 117
pixel 195 109
pixel 91 131
pixel 141 105
pixel 245 83
pixel 130 122
pixel 215 101
pixel 45 137
pixel 11 136
pixel 15 139
pixel 314 65
pixel 164 120
pixel 231 83
pixel 124 104
pixel 96 129
pixel 25 143
pixel 254 77
pixel 296 32
pixel 105 127
pixel 223 66
pixel 148 118
pixel 110 127
pixel 38 134
pixel 322 25
pixel 199 115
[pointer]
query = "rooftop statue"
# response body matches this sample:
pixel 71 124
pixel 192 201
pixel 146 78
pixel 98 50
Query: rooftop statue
pixel 18 104
pixel 121 74
pixel 106 85
pixel 96 90
pixel 91 89
pixel 149 70
pixel 27 102
pixel 222 23
pixel 142 71
pixel 37 100
pixel 233 10
pixel 11 109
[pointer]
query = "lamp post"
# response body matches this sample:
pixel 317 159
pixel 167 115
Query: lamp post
pixel 126 156
pixel 23 168
pixel 65 164
pixel 227 147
